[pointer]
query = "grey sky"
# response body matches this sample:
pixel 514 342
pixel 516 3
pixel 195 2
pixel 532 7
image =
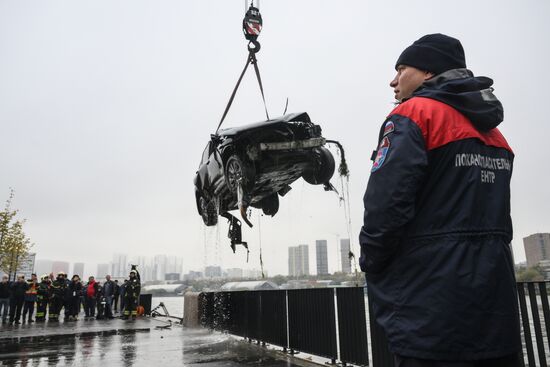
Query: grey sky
pixel 105 108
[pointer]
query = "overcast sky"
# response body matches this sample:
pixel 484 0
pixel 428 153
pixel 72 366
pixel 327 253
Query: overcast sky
pixel 106 106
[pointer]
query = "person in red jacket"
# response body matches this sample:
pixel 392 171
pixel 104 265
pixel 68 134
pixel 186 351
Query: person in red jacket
pixel 435 243
pixel 90 297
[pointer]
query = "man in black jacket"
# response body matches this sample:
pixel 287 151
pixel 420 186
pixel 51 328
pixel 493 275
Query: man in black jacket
pixel 117 295
pixel 5 294
pixel 108 293
pixel 18 290
pixel 435 244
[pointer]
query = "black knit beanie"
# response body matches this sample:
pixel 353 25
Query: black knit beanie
pixel 435 53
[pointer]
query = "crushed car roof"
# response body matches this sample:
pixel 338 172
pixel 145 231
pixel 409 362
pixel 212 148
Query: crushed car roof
pixel 291 117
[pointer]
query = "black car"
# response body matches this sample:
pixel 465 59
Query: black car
pixel 252 165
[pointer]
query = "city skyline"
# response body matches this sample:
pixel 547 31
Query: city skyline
pixel 155 268
pixel 151 267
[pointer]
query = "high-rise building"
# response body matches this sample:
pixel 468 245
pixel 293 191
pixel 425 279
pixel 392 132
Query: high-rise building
pixel 145 268
pixel 298 260
pixel 234 273
pixel 159 267
pixel 174 264
pixel 344 255
pixel 322 257
pixel 212 271
pixel 120 266
pixel 58 266
pixel 537 248
pixel 172 276
pixel 253 273
pixel 78 269
pixel 102 270
pixel 43 267
pixel 292 261
pixel 193 275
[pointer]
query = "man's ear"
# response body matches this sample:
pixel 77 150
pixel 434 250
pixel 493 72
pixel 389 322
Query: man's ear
pixel 428 75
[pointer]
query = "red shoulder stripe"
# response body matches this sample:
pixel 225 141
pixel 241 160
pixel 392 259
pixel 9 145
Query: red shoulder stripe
pixel 441 124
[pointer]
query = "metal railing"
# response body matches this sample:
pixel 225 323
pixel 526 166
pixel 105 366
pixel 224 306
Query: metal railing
pixel 319 321
pixel 532 326
pixel 331 322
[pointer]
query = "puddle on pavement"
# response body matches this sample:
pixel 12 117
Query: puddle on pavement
pixel 138 348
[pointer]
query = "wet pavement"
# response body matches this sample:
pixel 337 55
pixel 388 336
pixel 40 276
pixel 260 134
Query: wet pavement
pixel 138 343
pixel 16 333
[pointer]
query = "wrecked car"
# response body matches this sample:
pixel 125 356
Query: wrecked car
pixel 252 165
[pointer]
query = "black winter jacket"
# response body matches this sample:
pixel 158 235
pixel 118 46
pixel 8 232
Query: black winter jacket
pixel 18 290
pixel 74 290
pixel 5 291
pixel 59 288
pixel 435 244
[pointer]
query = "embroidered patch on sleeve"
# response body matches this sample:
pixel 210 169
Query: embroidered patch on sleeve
pixel 383 149
pixel 390 127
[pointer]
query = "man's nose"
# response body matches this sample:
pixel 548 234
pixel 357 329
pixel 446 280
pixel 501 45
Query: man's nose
pixel 393 83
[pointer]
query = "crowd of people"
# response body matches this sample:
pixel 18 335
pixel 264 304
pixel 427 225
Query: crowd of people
pixel 52 297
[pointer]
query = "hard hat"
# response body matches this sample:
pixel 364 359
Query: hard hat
pixel 45 277
pixel 133 271
pixel 61 273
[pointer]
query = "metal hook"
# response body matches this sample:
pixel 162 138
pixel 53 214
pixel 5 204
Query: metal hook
pixel 253 46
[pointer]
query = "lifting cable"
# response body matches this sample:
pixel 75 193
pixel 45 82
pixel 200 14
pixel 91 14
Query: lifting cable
pixel 344 174
pixel 252 26
pixel 260 240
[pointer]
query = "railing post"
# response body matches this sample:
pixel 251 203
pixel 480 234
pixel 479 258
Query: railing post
pixel 545 308
pixel 537 324
pixel 526 326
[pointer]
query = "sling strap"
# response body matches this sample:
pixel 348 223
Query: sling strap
pixel 251 59
pixel 252 26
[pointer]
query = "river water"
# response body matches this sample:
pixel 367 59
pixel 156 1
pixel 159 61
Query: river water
pixel 173 304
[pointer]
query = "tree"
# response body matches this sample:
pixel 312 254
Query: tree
pixel 532 274
pixel 14 244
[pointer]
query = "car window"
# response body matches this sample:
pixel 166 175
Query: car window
pixel 206 153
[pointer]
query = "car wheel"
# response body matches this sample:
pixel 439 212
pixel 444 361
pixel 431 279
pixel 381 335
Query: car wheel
pixel 209 213
pixel 322 168
pixel 235 170
pixel 270 204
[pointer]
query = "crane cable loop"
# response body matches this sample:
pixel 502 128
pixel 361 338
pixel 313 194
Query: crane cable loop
pixel 252 26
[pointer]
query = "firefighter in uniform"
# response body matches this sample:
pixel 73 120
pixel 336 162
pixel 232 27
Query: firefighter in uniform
pixel 57 296
pixel 131 296
pixel 42 298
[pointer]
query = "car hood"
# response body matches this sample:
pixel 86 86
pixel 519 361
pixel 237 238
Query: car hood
pixel 291 117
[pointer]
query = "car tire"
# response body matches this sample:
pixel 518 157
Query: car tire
pixel 235 169
pixel 270 204
pixel 322 168
pixel 209 213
